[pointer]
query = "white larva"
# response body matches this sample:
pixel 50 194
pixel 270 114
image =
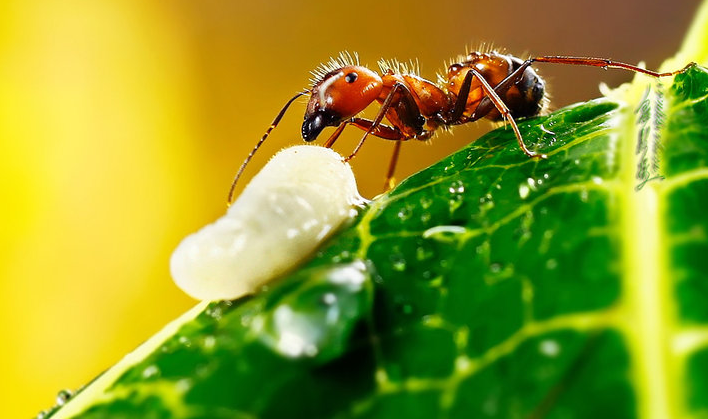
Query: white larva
pixel 302 195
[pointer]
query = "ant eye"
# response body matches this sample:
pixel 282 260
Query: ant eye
pixel 351 77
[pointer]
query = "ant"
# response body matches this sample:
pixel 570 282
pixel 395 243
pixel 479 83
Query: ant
pixel 490 85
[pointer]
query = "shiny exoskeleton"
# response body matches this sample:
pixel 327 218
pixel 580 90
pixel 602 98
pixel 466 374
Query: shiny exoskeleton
pixel 479 85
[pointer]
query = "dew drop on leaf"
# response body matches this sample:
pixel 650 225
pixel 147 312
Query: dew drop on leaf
pixel 550 348
pixel 426 202
pixel 524 191
pixel 151 371
pixel 398 263
pixel 63 396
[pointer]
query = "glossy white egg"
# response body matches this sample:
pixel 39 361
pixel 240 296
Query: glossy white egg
pixel 301 196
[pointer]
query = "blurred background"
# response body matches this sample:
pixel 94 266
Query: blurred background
pixel 123 122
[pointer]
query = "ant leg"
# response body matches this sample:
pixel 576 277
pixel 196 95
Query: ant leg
pixel 335 135
pixel 604 63
pixel 382 112
pixel 461 102
pixel 388 133
pixel 381 131
pixel 504 111
pixel 485 105
pixel 389 183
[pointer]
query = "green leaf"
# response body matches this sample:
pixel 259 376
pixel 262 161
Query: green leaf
pixel 488 285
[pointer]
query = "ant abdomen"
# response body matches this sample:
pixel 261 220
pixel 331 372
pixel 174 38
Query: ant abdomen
pixel 527 96
pixel 523 98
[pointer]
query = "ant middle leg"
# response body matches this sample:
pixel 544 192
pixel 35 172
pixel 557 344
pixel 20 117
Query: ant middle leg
pixel 388 133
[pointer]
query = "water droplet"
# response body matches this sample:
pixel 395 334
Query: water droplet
pixel 456 202
pixel 584 195
pixel 398 263
pixel 182 386
pixel 43 414
pixel 63 396
pixel 597 180
pixel 422 253
pixel 329 299
pixel 495 268
pixel 214 311
pixel 426 202
pixel 457 187
pixel 551 264
pixel 314 325
pixel 524 191
pixel 183 340
pixel 209 342
pixel 425 217
pixel 549 347
pixel 151 371
pixel 486 202
pixel 404 213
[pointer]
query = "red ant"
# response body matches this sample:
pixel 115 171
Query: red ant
pixel 480 85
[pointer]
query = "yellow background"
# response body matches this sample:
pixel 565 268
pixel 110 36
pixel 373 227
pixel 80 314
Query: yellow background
pixel 123 122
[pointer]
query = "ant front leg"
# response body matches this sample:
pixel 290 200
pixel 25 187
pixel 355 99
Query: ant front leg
pixel 399 95
pixel 388 133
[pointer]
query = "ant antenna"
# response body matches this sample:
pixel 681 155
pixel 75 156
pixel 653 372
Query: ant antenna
pixel 275 122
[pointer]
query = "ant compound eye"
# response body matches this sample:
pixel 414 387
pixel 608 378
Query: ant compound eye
pixel 351 77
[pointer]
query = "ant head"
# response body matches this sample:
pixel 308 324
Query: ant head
pixel 338 95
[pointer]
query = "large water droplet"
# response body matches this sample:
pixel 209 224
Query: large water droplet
pixel 524 191
pixel 315 320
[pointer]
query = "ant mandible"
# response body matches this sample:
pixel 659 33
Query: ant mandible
pixel 479 85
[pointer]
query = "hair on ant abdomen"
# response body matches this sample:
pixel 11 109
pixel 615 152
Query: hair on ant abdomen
pixel 491 85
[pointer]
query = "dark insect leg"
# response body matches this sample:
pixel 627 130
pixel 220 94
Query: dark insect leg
pixel 381 130
pixel 504 111
pixel 389 183
pixel 603 63
pixel 409 115
pixel 462 96
pixel 388 133
pixel 332 138
pixel 486 105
